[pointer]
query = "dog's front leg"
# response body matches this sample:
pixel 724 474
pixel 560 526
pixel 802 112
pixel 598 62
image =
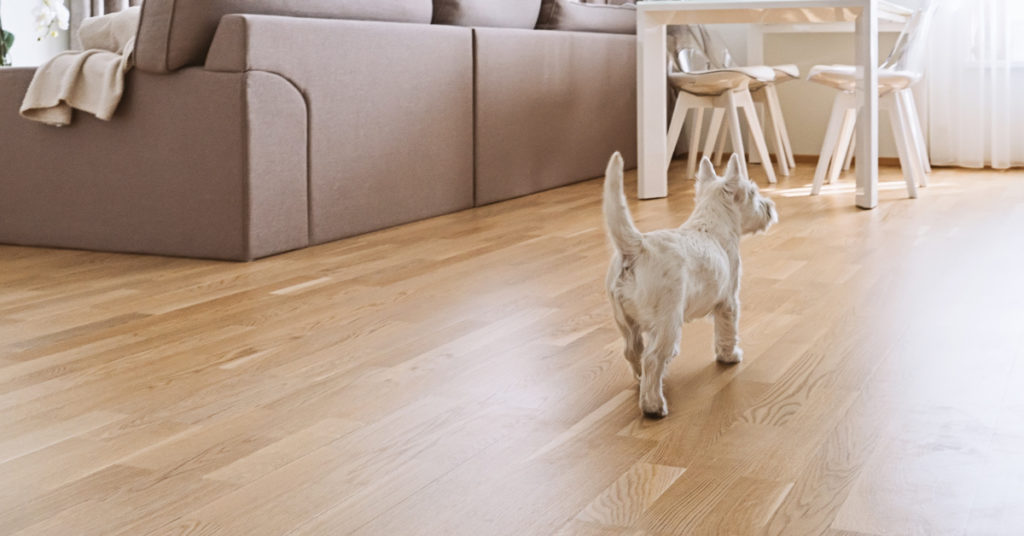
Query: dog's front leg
pixel 727 325
pixel 663 346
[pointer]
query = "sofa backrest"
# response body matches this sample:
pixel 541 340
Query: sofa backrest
pixel 177 33
pixel 604 16
pixel 492 13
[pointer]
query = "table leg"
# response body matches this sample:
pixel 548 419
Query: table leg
pixel 867 105
pixel 652 112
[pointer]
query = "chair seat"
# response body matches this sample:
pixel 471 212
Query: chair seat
pixel 785 73
pixel 718 81
pixel 844 77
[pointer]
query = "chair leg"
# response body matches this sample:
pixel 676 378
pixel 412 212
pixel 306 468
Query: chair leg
pixel 915 125
pixel 772 94
pixel 842 145
pixel 675 126
pixel 773 130
pixel 909 161
pixel 828 146
pixel 733 114
pixel 849 154
pixel 776 133
pixel 753 157
pixel 720 149
pixel 695 132
pixel 757 133
pixel 714 131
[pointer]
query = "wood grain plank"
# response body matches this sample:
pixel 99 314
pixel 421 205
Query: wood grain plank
pixel 461 375
pixel 283 452
pixel 629 497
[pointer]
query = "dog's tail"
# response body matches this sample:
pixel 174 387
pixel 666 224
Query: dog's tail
pixel 621 230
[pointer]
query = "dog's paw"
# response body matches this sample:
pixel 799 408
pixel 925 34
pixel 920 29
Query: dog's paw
pixel 656 414
pixel 654 409
pixel 735 357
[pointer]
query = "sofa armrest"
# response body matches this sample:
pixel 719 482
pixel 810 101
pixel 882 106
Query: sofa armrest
pixel 229 51
pixel 193 163
pixel 390 113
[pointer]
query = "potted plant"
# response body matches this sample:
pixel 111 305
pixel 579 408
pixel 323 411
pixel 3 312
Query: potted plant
pixel 51 16
pixel 6 42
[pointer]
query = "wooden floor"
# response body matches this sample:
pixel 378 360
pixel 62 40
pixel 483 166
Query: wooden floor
pixel 462 375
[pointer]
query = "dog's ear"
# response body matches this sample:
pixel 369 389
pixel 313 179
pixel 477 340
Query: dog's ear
pixel 734 173
pixel 706 173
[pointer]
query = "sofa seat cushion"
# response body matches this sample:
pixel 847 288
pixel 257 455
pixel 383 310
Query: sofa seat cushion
pixel 177 33
pixel 573 15
pixel 503 14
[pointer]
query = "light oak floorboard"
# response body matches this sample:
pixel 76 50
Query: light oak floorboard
pixel 462 375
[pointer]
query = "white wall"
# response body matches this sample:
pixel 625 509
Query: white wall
pixel 27 51
pixel 807 105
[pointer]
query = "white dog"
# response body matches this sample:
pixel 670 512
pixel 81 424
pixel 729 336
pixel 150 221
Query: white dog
pixel 659 280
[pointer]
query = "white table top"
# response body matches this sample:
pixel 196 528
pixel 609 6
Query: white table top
pixel 772 11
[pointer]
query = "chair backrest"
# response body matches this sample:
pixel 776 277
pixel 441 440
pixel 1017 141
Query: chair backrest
pixel 692 48
pixel 908 54
pixel 715 48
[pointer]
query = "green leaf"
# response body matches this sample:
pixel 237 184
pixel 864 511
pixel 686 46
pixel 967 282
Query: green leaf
pixel 6 42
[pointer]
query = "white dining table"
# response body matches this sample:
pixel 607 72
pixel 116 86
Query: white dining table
pixel 652 99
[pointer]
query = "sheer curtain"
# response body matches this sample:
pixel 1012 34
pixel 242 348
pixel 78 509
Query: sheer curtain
pixel 975 80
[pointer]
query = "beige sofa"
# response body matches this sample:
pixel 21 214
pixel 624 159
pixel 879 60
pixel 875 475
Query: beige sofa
pixel 253 127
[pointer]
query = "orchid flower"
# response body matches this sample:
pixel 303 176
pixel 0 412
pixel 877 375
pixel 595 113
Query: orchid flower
pixel 51 16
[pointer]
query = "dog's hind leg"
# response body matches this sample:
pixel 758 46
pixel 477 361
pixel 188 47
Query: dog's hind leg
pixel 727 321
pixel 633 336
pixel 663 345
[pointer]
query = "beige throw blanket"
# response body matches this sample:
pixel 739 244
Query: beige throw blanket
pixel 91 80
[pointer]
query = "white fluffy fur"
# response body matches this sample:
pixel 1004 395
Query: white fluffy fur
pixel 659 280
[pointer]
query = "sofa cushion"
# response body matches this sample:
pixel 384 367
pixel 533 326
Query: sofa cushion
pixel 573 15
pixel 177 33
pixel 504 14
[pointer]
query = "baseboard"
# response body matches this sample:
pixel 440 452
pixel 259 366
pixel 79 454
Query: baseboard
pixel 813 159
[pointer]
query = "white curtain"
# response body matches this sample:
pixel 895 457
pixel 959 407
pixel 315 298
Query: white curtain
pixel 975 84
